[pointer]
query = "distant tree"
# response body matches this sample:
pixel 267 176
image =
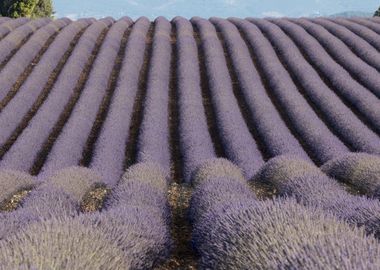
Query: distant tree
pixel 377 13
pixel 26 8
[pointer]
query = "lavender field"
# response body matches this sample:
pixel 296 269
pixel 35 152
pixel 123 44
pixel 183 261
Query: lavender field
pixel 190 144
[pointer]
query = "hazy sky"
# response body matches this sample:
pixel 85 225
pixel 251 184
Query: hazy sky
pixel 208 8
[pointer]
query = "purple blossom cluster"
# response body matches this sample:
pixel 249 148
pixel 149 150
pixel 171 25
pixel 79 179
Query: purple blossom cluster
pixel 233 230
pixel 13 181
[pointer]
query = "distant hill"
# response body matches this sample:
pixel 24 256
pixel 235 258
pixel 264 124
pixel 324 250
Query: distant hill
pixel 349 14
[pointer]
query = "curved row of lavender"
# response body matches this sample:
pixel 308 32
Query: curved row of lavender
pixel 25 150
pixel 26 54
pixel 15 38
pixel 321 143
pixel 330 128
pixel 240 147
pixel 67 151
pixel 338 116
pixel 342 54
pixel 233 230
pixel 361 47
pixel 194 137
pixel 153 140
pixel 109 153
pixel 360 30
pixel 351 91
pixel 32 87
pixel 268 122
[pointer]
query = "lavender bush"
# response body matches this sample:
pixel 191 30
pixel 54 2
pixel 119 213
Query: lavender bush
pixel 358 169
pixel 14 181
pixel 291 176
pixel 232 230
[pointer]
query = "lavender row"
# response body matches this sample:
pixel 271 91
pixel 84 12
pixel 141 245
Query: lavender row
pixel 321 144
pixel 67 151
pixel 58 197
pixel 153 141
pixel 355 94
pixel 368 23
pixel 140 200
pixel 359 170
pixel 291 176
pixel 109 153
pixel 10 25
pixel 24 151
pixel 341 53
pixel 359 46
pixel 4 19
pixel 240 146
pixel 12 41
pixel 364 32
pixel 14 112
pixel 195 141
pixel 132 233
pixel 339 117
pixel 24 56
pixel 272 130
pixel 233 230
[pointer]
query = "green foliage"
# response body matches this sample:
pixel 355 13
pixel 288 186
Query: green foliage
pixel 377 13
pixel 26 8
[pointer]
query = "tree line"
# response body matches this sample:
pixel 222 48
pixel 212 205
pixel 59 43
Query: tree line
pixel 26 8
